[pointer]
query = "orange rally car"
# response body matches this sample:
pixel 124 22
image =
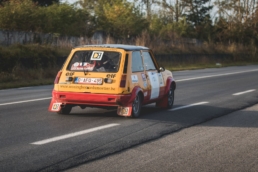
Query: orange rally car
pixel 112 75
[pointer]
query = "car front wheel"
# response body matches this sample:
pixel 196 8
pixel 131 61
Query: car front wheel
pixel 171 95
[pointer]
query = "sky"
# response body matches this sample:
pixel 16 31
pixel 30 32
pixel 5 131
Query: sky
pixel 69 1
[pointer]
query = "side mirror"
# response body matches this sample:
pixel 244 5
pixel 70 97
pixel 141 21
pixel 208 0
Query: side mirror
pixel 161 69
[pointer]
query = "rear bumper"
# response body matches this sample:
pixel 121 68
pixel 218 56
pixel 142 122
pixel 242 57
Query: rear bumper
pixel 89 99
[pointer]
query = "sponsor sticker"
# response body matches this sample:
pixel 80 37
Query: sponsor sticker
pixel 154 81
pixel 134 78
pixel 97 55
pixel 82 66
pixel 161 81
pixel 145 84
pixel 111 75
pixel 69 74
pixel 143 77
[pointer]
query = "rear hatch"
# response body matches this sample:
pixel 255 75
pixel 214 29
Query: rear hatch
pixel 93 70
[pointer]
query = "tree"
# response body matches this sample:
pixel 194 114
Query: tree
pixel 237 10
pixel 172 8
pixel 196 11
pixel 65 19
pixel 120 19
pixel 90 5
pixel 2 1
pixel 237 21
pixel 45 2
pixel 18 15
pixel 39 2
pixel 61 19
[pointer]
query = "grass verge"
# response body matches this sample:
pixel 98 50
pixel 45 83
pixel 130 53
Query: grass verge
pixel 32 65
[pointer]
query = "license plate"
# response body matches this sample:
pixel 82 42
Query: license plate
pixel 95 81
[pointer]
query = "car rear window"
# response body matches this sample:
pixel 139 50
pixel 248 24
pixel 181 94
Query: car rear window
pixel 96 61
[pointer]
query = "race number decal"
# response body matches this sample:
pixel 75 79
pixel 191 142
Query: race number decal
pixel 56 106
pixel 154 81
pixel 97 55
pixel 123 111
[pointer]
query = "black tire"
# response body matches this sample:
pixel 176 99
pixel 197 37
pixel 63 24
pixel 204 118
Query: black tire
pixel 65 110
pixel 136 106
pixel 171 95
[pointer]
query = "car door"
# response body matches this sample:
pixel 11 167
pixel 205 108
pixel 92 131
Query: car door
pixel 138 77
pixel 155 79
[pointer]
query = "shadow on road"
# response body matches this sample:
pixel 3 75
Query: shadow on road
pixel 183 117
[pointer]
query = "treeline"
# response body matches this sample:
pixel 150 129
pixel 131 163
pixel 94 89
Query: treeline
pixel 219 21
pixel 28 16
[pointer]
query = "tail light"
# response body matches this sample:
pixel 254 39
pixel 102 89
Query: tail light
pixel 108 80
pixel 123 81
pixel 57 77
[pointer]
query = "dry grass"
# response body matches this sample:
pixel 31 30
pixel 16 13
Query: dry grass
pixel 21 77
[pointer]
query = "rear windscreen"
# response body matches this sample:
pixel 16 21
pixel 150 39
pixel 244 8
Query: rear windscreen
pixel 96 61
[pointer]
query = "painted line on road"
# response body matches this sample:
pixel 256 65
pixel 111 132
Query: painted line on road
pixel 25 101
pixel 244 92
pixel 188 106
pixel 210 76
pixel 54 139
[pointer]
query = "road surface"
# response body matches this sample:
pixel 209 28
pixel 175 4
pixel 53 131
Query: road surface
pixel 33 139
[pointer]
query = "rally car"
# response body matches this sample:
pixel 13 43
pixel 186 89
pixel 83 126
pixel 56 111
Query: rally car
pixel 112 75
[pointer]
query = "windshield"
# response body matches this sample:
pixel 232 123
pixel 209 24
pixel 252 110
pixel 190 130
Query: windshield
pixel 96 61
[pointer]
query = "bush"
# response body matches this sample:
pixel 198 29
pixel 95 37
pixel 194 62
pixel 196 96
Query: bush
pixel 30 57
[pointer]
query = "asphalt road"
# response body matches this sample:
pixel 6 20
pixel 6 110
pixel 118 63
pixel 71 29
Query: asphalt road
pixel 228 143
pixel 33 139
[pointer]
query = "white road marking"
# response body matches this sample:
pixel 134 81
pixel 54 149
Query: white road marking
pixel 187 106
pixel 54 139
pixel 244 92
pixel 25 101
pixel 210 76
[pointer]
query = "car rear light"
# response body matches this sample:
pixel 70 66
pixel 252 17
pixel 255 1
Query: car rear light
pixel 57 77
pixel 123 81
pixel 69 78
pixel 108 80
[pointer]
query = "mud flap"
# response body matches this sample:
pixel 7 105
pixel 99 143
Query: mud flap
pixel 124 110
pixel 54 106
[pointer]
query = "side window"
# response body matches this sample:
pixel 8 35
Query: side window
pixel 137 65
pixel 147 60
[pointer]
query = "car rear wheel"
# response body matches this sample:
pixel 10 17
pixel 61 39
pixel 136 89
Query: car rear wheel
pixel 65 110
pixel 171 95
pixel 136 106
